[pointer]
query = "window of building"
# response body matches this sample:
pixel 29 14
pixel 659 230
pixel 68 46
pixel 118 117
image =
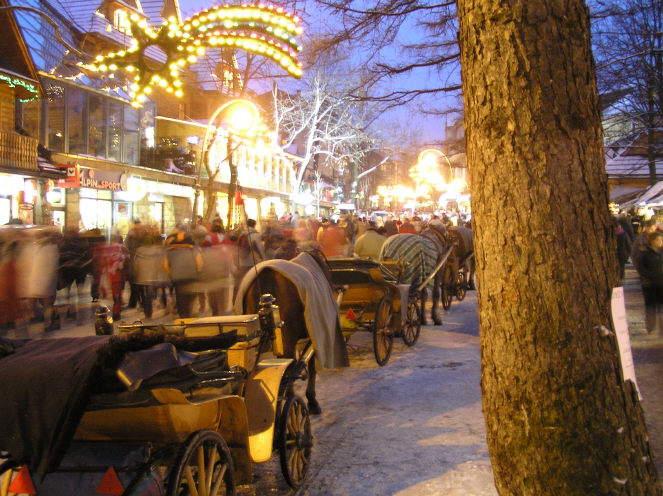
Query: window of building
pixel 130 138
pixel 76 117
pixel 97 125
pixel 147 135
pixel 115 128
pixel 121 21
pixel 55 116
pixel 28 115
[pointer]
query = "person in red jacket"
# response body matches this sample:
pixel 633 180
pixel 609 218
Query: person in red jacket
pixel 407 228
pixel 115 261
pixel 333 241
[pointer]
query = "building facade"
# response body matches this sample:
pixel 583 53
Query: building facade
pixel 76 153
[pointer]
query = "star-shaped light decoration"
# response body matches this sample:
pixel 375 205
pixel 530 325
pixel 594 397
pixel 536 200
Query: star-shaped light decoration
pixel 155 58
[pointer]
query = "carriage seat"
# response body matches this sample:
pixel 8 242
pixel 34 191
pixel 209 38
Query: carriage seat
pixel 243 353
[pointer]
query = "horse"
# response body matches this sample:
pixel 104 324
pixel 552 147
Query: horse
pixel 302 288
pixel 421 254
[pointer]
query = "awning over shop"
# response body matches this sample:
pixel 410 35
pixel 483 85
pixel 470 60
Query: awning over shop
pixel 650 196
pixel 621 194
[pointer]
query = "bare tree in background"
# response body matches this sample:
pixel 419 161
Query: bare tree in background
pixel 325 123
pixel 629 51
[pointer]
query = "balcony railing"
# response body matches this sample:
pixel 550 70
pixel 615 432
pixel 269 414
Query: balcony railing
pixel 18 151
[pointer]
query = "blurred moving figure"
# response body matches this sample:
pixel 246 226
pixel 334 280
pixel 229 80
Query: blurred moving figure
pixel 333 240
pixel 115 262
pixel 250 251
pixel 216 277
pixel 149 271
pixel 37 271
pixel 9 302
pixel 649 264
pixel 74 266
pixel 370 243
pixel 183 262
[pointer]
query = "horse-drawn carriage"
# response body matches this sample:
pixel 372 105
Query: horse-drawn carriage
pixel 440 259
pixel 371 298
pixel 157 409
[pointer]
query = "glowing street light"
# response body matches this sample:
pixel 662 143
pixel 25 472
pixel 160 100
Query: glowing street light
pixel 240 117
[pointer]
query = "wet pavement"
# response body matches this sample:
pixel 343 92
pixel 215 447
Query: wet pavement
pixel 414 426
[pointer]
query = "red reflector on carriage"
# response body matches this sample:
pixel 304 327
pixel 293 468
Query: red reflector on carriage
pixel 110 484
pixel 350 315
pixel 22 483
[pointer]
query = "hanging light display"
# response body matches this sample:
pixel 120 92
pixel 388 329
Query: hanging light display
pixel 156 58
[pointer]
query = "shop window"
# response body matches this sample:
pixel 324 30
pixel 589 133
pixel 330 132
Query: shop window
pixel 115 129
pixel 55 116
pixel 76 120
pixel 147 135
pixel 130 137
pixel 28 116
pixel 97 126
pixel 5 209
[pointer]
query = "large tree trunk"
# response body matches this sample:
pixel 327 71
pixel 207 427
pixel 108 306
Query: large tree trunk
pixel 560 420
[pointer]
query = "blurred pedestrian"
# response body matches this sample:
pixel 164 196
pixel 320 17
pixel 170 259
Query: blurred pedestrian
pixel 303 235
pixel 624 245
pixel 407 227
pixel 370 243
pixel 115 265
pixel 650 268
pixel 9 301
pixel 646 227
pixel 38 274
pixel 149 271
pixel 250 251
pixel 218 269
pixel 74 266
pixel 199 234
pixel 133 241
pixel 96 242
pixel 183 262
pixel 333 241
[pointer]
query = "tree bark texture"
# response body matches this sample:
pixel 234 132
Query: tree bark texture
pixel 560 419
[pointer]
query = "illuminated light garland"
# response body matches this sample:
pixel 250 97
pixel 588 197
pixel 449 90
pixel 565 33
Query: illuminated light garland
pixel 259 28
pixel 14 82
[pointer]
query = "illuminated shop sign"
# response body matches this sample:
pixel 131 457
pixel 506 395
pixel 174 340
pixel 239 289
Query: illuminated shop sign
pixel 100 179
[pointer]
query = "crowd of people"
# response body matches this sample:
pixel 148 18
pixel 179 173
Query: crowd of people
pixel 195 266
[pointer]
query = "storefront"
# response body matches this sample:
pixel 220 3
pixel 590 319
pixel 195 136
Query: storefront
pixel 29 199
pixel 10 186
pixel 113 200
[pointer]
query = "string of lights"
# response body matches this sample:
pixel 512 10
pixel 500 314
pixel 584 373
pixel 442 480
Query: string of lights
pixel 263 29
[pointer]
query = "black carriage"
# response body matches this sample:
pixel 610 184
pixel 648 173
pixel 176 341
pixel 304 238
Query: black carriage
pixel 183 421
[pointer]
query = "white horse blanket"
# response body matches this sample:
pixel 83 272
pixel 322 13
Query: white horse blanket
pixel 320 308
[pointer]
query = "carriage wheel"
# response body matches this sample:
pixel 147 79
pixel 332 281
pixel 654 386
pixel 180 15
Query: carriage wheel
pixel 412 326
pixel 447 288
pixel 203 466
pixel 383 334
pixel 295 440
pixel 461 286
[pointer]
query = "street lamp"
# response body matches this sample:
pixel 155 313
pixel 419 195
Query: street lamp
pixel 428 160
pixel 427 170
pixel 239 117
